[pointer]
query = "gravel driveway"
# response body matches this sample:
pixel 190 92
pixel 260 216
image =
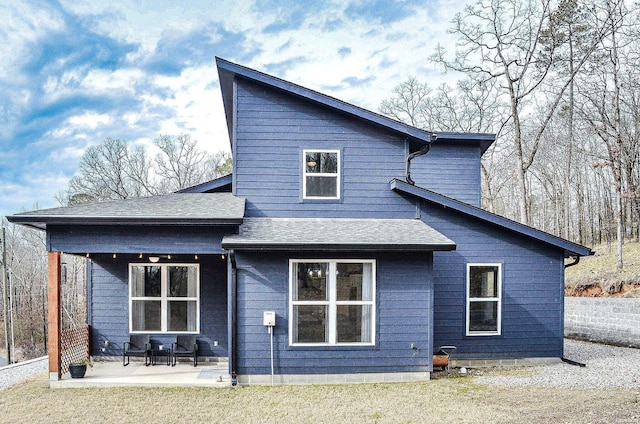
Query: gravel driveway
pixel 607 367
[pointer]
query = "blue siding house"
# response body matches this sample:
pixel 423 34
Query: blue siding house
pixel 359 238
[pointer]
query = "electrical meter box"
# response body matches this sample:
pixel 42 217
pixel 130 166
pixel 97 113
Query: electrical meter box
pixel 269 319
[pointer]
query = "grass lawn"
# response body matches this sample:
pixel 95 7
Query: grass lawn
pixel 448 400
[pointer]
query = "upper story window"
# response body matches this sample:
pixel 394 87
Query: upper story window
pixel 484 299
pixel 164 298
pixel 321 174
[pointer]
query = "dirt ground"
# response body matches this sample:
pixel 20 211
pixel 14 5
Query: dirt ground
pixel 454 399
pixel 595 290
pixel 598 276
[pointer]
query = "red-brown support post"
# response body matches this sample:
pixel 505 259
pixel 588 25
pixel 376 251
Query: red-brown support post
pixel 54 325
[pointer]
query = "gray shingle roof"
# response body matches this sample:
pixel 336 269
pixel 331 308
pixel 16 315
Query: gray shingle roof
pixel 171 209
pixel 336 234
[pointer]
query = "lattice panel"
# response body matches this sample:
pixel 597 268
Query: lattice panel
pixel 74 346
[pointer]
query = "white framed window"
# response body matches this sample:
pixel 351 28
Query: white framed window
pixel 484 299
pixel 321 174
pixel 332 302
pixel 164 298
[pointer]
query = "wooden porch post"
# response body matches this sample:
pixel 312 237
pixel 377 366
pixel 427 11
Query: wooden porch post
pixel 54 325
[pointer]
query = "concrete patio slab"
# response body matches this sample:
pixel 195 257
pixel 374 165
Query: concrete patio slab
pixel 136 374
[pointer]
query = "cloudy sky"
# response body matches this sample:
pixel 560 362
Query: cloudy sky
pixel 74 73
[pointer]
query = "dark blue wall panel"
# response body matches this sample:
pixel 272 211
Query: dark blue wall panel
pixel 137 239
pixel 110 305
pixel 403 296
pixel 450 169
pixel 273 129
pixel 532 296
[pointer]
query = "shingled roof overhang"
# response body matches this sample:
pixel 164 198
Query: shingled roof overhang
pixel 570 249
pixel 228 71
pixel 175 209
pixel 336 234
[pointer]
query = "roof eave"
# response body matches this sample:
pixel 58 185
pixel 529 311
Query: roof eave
pixel 484 139
pixel 41 223
pixel 305 247
pixel 228 70
pixel 569 248
pixel 214 184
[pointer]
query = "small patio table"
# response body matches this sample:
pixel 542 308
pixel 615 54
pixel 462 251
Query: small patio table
pixel 160 350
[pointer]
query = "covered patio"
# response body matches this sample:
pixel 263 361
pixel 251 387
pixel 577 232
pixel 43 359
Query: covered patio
pixel 111 373
pixel 180 230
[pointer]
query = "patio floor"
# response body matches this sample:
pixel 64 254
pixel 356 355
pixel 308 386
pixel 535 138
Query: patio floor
pixel 136 374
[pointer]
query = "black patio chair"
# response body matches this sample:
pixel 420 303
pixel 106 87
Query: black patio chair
pixel 185 346
pixel 138 345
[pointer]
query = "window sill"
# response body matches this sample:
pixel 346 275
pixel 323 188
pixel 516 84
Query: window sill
pixel 483 334
pixel 164 332
pixel 319 200
pixel 327 347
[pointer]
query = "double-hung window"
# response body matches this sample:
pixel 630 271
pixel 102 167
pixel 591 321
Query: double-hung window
pixel 164 298
pixel 332 302
pixel 321 174
pixel 484 299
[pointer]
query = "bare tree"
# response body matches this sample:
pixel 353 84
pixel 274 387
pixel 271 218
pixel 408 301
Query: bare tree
pixel 217 165
pixel 566 40
pixel 604 107
pixel 116 169
pixel 179 163
pixel 408 103
pixel 501 40
pixel 111 171
pixel 27 275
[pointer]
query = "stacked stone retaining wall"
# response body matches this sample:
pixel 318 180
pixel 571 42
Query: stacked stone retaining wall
pixel 605 320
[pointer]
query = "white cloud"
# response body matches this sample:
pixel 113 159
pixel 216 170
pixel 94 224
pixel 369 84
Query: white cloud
pixel 67 154
pixel 197 106
pixel 89 120
pixel 38 189
pixel 123 80
pixel 22 25
pixel 132 118
pixel 407 43
pixel 144 24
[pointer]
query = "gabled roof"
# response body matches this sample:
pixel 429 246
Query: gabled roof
pixel 570 248
pixel 168 209
pixel 333 234
pixel 218 185
pixel 228 71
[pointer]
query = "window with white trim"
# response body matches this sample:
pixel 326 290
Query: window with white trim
pixel 321 174
pixel 332 302
pixel 164 298
pixel 484 299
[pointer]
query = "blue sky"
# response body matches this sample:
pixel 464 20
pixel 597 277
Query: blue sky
pixel 74 74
